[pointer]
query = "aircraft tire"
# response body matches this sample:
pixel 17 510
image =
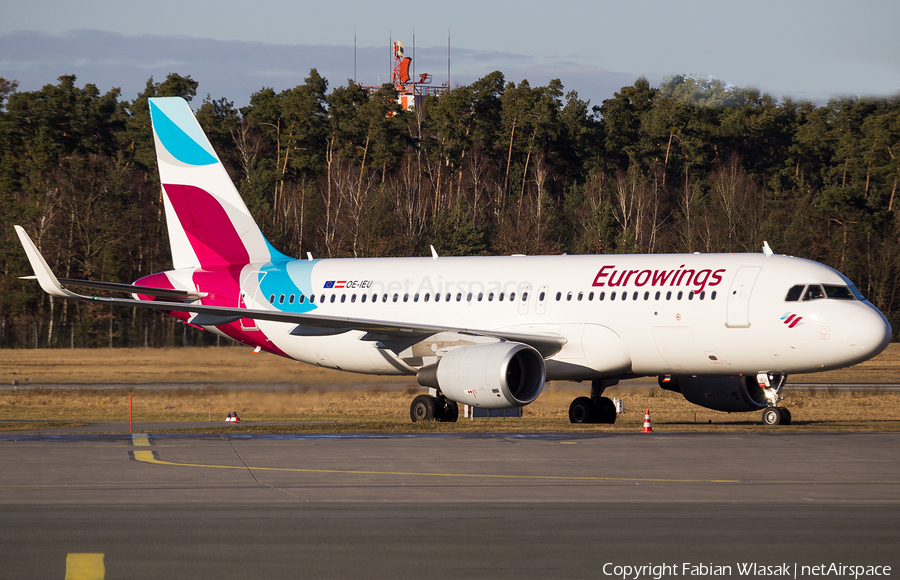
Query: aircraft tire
pixel 773 416
pixel 583 410
pixel 451 412
pixel 785 416
pixel 606 411
pixel 423 408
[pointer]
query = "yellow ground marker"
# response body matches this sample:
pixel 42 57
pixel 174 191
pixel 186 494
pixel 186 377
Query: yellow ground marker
pixel 85 567
pixel 140 440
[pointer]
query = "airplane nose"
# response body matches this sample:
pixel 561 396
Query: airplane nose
pixel 868 332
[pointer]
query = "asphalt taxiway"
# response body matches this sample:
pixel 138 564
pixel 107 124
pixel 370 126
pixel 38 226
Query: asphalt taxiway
pixel 442 506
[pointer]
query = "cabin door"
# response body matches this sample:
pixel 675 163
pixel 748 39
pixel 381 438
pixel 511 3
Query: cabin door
pixel 738 313
pixel 251 283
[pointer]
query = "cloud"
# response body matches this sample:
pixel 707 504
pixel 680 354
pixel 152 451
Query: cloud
pixel 237 69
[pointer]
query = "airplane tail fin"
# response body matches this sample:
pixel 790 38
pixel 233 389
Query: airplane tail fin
pixel 209 224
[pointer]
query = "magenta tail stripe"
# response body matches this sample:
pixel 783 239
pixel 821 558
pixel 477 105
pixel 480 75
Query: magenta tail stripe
pixel 208 227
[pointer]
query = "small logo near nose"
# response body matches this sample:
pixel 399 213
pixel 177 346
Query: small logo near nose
pixel 791 319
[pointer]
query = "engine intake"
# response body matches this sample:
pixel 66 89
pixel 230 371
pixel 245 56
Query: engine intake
pixel 502 375
pixel 730 393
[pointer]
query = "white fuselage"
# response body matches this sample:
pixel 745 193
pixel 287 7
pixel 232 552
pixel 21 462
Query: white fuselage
pixel 621 315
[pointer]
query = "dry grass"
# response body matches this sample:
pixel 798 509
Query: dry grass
pixel 267 388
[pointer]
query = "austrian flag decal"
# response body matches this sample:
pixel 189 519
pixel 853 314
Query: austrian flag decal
pixel 791 320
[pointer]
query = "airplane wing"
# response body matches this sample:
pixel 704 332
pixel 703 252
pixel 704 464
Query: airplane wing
pixel 547 345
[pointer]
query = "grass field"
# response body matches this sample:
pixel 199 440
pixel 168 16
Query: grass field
pixel 267 388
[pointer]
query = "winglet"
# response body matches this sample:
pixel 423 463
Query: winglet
pixel 767 250
pixel 45 276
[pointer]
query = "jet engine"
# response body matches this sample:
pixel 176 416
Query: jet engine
pixel 502 375
pixel 730 393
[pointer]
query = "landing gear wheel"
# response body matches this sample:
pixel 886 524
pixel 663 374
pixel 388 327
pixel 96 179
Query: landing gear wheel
pixel 451 412
pixel 606 411
pixel 582 410
pixel 423 408
pixel 785 416
pixel 776 416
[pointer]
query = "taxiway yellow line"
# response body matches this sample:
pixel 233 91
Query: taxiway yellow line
pixel 147 457
pixel 85 567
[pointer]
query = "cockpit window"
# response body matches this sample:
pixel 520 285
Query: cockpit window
pixel 813 292
pixel 839 292
pixel 794 293
pixel 817 291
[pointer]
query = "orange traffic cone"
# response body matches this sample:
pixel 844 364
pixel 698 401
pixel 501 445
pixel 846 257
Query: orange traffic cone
pixel 647 428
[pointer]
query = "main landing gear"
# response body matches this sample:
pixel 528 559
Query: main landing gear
pixel 596 409
pixel 772 384
pixel 433 408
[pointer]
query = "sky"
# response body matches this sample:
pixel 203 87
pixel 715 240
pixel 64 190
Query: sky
pixel 803 49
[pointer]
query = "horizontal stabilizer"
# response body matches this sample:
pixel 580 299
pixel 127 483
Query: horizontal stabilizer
pixel 133 289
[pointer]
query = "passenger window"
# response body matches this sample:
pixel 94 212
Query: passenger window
pixel 500 297
pixel 396 297
pixel 590 296
pixel 794 293
pixel 646 296
pixel 322 298
pixel 634 296
pixel 312 298
pixel 384 298
pixel 491 297
pixel 459 296
pixel 558 296
pixel 333 296
pixel 691 295
pixel 437 297
pixel 363 297
pixel 669 295
pixel 302 299
pixel 541 296
pixel 353 298
pixel 406 297
pixel 469 297
pixel 272 299
pixel 415 298
pixel 427 296
pixel 512 296
pixel 624 295
pixel 569 297
pixel 612 295
pixel 343 298
pixel 814 292
pixel 281 299
pixel 602 296
pixel 480 296
pixel 291 299
pixel 713 295
pixel 657 295
pixel 680 294
pixel 702 295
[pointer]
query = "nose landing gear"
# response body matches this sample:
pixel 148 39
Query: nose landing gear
pixel 772 385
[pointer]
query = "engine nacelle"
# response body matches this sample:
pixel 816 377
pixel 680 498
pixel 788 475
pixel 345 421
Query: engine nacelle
pixel 731 393
pixel 502 375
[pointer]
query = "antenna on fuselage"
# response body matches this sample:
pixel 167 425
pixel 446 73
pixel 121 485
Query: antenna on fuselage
pixel 767 250
pixel 434 254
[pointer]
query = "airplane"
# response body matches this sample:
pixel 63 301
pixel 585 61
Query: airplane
pixel 724 330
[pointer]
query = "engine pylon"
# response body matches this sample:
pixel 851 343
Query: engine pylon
pixel 647 428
